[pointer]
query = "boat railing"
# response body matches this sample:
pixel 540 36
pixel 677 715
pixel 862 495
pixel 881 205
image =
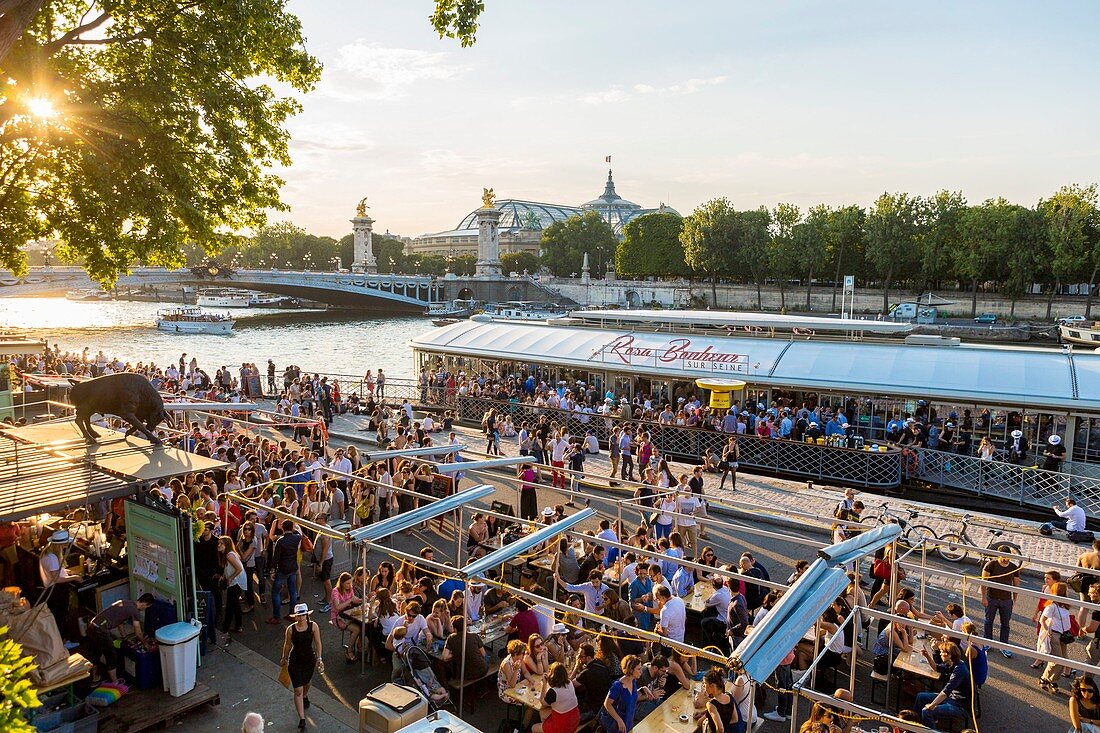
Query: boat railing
pixel 1027 485
pixel 868 468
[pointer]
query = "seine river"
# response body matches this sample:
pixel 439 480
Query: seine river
pixel 333 342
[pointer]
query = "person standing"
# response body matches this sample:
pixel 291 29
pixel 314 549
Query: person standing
pixel 301 655
pixel 626 455
pixel 730 457
pixel 997 600
pixel 233 576
pixel 380 385
pixel 285 560
pixel 617 715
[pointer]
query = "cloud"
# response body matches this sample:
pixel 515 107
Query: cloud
pixel 370 71
pixel 622 93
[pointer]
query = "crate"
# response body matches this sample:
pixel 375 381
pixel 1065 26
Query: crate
pixel 78 719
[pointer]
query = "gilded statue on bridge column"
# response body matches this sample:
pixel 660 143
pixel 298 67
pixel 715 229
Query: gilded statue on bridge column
pixel 488 198
pixel 361 209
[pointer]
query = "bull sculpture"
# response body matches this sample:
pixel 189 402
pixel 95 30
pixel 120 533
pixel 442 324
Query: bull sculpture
pixel 129 396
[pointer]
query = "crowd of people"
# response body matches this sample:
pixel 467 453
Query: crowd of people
pixel 255 530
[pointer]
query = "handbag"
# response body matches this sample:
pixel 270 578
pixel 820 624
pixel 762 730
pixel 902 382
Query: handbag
pixel 284 676
pixel 880 569
pixel 1078 582
pixel 1067 636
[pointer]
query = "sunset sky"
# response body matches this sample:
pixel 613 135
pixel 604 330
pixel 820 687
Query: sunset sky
pixel 804 102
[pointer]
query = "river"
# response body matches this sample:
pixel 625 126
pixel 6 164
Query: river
pixel 326 341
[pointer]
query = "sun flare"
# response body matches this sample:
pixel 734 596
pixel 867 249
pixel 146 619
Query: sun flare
pixel 41 108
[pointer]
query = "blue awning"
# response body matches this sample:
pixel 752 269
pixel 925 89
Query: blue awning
pixel 459 466
pixel 525 543
pixel 378 530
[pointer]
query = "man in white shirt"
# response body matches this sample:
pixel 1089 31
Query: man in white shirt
pixel 1072 518
pixel 672 614
pixel 591 444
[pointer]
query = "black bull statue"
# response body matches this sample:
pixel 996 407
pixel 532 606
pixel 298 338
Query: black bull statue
pixel 127 395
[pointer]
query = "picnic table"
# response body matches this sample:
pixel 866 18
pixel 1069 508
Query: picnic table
pixel 526 693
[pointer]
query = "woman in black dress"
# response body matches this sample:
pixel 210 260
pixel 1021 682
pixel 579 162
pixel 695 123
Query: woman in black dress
pixel 722 712
pixel 301 654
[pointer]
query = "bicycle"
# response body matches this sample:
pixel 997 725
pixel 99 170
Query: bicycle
pixel 962 537
pixel 911 534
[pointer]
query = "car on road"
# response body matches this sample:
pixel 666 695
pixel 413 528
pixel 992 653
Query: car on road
pixel 989 318
pixel 1071 320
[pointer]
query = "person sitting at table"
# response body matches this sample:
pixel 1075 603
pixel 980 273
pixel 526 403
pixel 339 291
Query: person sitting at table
pixel 425 588
pixel 439 626
pixel 386 618
pixel 496 599
pixel 524 623
pixel 838 639
pixel 709 558
pixel 536 660
pixel 952 616
pixel 629 570
pixel 734 623
pixel 1084 706
pixel 766 604
pixel 953 701
pixel 822 720
pixel 594 560
pixel 415 625
pixel 591 678
pixel 565 562
pixel 592 590
pixel 683 581
pixel 617 714
pixel 722 713
pixel 477 659
pixel 456 604
pixel 560 712
pixel 899 633
pixel 478 537
pixel 344 597
pixel 510 671
pixel 719 599
pixel 614 607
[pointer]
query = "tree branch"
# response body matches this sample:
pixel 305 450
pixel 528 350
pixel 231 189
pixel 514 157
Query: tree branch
pixel 74 34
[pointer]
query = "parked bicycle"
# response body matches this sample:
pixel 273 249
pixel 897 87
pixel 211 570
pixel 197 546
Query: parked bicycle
pixel 962 537
pixel 911 534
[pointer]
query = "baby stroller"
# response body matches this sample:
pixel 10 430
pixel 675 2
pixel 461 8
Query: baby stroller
pixel 417 671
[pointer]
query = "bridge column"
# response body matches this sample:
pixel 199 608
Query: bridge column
pixel 363 249
pixel 488 243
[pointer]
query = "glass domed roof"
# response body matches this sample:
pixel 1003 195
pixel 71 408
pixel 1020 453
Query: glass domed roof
pixel 517 214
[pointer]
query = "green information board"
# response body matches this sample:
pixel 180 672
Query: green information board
pixel 153 554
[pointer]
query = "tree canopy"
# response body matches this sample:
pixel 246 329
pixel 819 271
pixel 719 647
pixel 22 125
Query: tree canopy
pixel 130 128
pixel 651 247
pixel 565 243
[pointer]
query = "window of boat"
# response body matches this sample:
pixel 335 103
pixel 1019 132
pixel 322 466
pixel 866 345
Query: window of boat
pixel 1086 439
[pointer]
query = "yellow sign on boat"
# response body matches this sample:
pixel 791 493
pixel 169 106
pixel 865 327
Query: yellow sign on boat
pixel 720 390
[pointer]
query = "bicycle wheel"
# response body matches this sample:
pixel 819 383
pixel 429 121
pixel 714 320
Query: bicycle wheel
pixel 915 533
pixel 952 554
pixel 1009 547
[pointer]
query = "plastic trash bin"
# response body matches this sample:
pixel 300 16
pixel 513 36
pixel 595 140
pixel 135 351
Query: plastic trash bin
pixel 179 657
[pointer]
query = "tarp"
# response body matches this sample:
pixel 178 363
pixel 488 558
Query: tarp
pixel 525 543
pixel 378 530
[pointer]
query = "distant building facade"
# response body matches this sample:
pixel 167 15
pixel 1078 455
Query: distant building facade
pixel 522 222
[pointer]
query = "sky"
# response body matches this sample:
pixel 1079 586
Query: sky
pixel 801 102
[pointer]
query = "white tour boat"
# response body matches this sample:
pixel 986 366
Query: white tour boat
pixel 224 298
pixel 458 308
pixel 189 319
pixel 519 310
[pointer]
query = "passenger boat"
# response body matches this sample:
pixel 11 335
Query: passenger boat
pixel 224 298
pixel 266 300
pixel 445 321
pixel 520 310
pixel 87 295
pixel 458 308
pixel 189 319
pixel 1087 332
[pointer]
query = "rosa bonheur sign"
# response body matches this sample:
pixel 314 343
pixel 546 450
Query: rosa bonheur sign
pixel 676 353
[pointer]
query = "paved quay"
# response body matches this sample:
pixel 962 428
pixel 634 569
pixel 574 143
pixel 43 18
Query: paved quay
pixel 793 503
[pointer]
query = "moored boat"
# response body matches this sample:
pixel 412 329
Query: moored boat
pixel 224 298
pixel 520 310
pixel 87 295
pixel 1087 332
pixel 189 319
pixel 458 308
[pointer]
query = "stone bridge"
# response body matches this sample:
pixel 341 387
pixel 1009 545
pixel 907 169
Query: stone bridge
pixel 389 293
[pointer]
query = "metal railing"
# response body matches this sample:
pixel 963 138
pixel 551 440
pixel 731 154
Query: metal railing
pixel 1027 485
pixel 787 457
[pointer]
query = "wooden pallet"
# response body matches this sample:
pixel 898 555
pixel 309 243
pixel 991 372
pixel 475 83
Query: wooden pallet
pixel 142 710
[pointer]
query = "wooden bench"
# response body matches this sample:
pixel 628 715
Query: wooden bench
pixel 140 711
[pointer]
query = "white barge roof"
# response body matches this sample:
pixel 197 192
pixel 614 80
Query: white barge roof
pixel 994 375
pixel 736 320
